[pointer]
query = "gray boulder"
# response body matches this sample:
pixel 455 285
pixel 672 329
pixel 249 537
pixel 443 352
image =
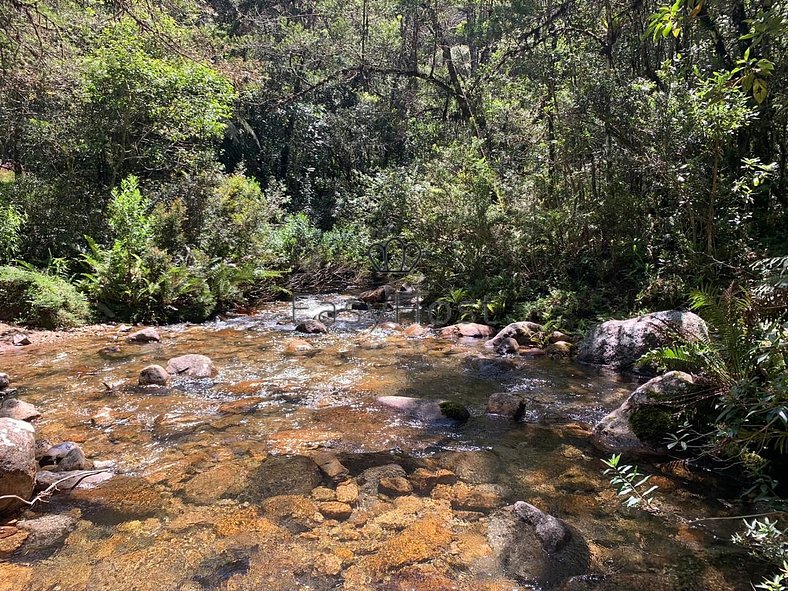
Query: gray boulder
pixel 195 366
pixel 467 330
pixel 5 381
pixel 620 343
pixel 146 335
pixel 17 462
pixel 647 415
pixel 153 375
pixel 535 547
pixel 522 332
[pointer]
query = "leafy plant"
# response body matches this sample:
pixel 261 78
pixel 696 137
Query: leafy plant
pixel 40 300
pixel 630 483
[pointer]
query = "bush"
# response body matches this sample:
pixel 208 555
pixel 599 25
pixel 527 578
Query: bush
pixel 11 221
pixel 39 300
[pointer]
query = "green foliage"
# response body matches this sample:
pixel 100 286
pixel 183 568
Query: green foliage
pixel 630 483
pixel 40 300
pixel 765 541
pixel 11 222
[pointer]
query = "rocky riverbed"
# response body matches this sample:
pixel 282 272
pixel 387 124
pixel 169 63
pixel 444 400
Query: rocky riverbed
pixel 329 461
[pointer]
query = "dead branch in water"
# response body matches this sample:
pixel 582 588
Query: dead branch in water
pixel 49 491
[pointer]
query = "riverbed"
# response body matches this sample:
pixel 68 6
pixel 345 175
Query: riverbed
pixel 215 487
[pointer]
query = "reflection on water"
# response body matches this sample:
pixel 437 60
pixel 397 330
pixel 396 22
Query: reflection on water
pixel 216 489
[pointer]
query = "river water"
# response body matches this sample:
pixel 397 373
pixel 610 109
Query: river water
pixel 216 488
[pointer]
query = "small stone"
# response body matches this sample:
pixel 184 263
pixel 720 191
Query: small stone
pixel 508 405
pixel 65 457
pixel 296 513
pixel 311 326
pixel 299 348
pixel 5 381
pixel 323 494
pixel 21 340
pixel 195 366
pixel 335 510
pixel 328 564
pixel 330 465
pixel 347 492
pixel 103 418
pixel 415 330
pixel 146 335
pixel 507 345
pixel 154 375
pixel 424 480
pixel 394 486
pixel 477 497
pixel 19 410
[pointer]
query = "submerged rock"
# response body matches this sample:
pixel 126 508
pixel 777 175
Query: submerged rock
pixel 299 348
pixel 620 343
pixel 283 475
pixel 46 531
pixel 330 465
pixel 474 467
pixel 146 335
pixel 427 410
pixel 646 417
pixel 535 547
pixel 467 329
pixel 195 366
pixel 508 405
pixel 19 410
pixel 154 375
pixel 17 462
pixel 311 326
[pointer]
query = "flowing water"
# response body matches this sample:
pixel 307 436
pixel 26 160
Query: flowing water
pixel 215 488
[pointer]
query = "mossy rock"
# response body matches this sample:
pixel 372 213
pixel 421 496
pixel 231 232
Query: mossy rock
pixel 455 411
pixel 651 424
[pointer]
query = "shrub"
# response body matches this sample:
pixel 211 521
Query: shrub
pixel 11 221
pixel 39 300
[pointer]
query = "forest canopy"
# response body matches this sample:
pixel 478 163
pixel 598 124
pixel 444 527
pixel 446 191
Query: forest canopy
pixel 559 160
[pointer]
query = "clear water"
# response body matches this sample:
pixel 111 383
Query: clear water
pixel 186 511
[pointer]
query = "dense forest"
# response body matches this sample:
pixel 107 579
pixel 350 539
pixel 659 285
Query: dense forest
pixel 559 160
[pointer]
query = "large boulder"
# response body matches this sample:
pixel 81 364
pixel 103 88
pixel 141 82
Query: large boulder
pixel 468 330
pixel 535 547
pixel 196 366
pixel 620 343
pixel 17 462
pixel 19 410
pixel 647 415
pixel 523 332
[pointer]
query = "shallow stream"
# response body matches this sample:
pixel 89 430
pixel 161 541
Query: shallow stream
pixel 216 488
